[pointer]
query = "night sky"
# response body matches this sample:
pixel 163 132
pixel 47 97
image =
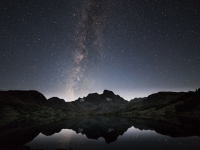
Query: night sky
pixel 69 48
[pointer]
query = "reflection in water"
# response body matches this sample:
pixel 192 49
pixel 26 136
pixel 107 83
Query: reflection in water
pixel 101 133
pixel 132 139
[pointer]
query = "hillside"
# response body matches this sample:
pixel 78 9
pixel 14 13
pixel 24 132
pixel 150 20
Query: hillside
pixel 166 104
pixel 16 104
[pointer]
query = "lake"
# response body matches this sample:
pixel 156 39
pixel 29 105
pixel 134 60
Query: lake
pixel 107 133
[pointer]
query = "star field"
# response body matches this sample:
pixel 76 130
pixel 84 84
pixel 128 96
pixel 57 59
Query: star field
pixel 71 48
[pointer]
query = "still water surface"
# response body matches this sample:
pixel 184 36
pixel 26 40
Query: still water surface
pixel 131 140
pixel 101 133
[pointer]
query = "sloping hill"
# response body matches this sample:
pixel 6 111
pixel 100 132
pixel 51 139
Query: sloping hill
pixel 15 104
pixel 154 100
pixel 166 104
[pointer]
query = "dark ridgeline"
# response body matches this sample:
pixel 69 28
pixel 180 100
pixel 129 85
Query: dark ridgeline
pixel 166 104
pixel 190 101
pixel 18 104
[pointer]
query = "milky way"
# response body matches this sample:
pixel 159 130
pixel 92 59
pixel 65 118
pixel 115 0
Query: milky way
pixel 88 39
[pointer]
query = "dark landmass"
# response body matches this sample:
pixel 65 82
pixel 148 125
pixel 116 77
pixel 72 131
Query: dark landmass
pixel 166 104
pixel 32 104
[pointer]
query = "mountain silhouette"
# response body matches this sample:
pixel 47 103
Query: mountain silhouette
pixel 32 104
pixel 101 103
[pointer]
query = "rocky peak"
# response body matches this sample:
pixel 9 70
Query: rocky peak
pixel 56 100
pixel 93 95
pixel 107 93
